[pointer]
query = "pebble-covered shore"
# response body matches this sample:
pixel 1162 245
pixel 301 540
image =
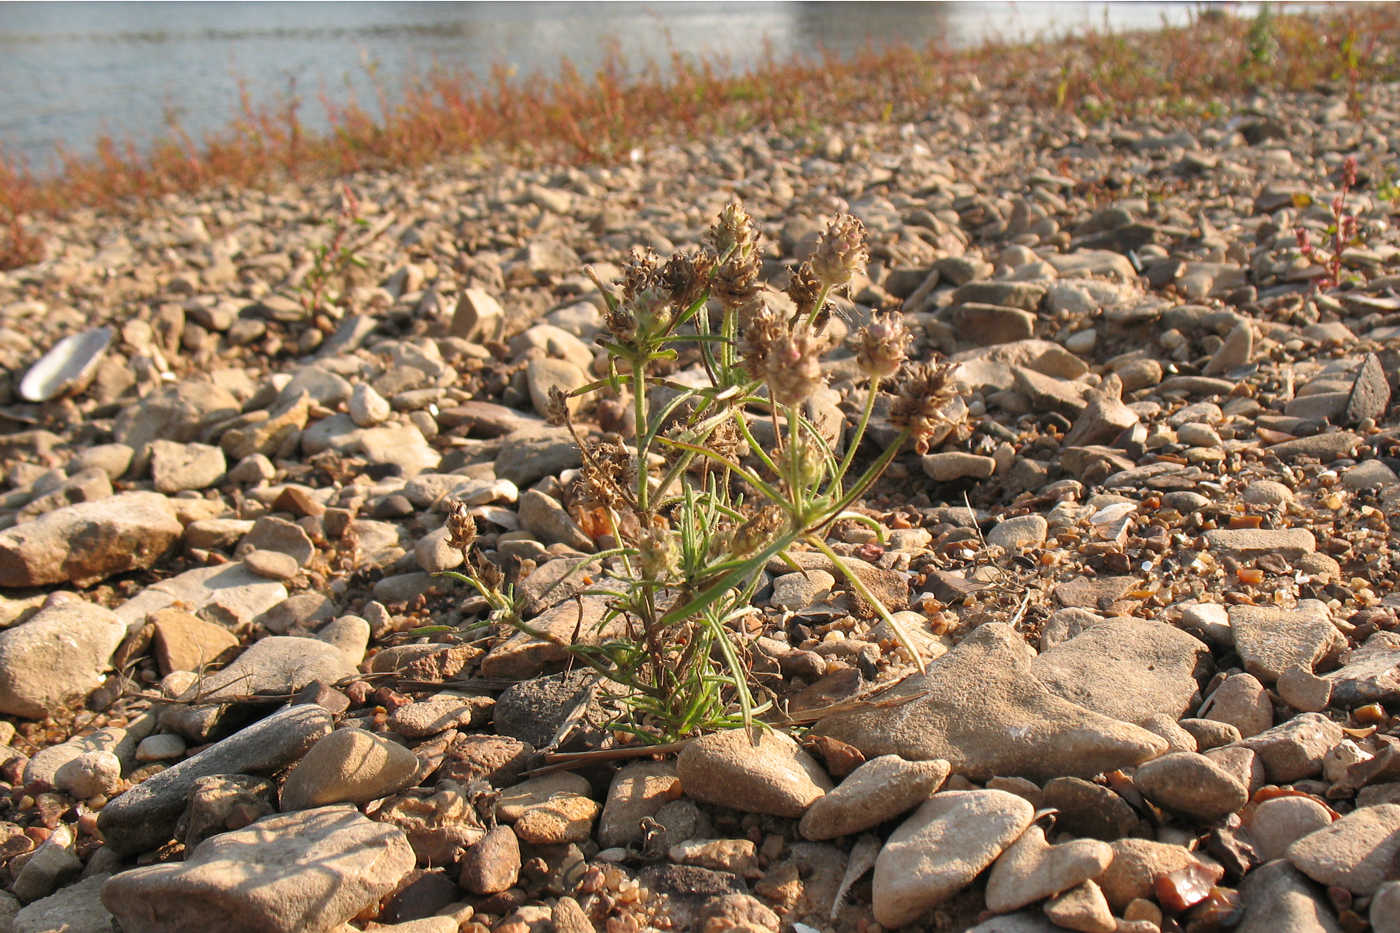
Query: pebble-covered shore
pixel 1152 583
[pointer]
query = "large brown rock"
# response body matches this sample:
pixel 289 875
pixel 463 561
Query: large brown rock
pixel 58 656
pixel 307 872
pixel 89 542
pixel 981 708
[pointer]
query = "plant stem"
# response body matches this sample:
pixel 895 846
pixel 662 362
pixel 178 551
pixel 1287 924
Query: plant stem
pixel 641 431
pixel 854 442
pixel 859 586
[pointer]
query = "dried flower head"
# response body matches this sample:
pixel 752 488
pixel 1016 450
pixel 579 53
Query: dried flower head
pixel 686 276
pixel 461 527
pixel 841 252
pixel 651 307
pixel 760 331
pixel 881 346
pixel 727 440
pixel 758 530
pixel 805 290
pixel 639 272
pixel 733 233
pixel 805 460
pixel 556 410
pixel 918 408
pixel 792 366
pixel 658 553
pixel 621 322
pixel 608 471
pixel 736 284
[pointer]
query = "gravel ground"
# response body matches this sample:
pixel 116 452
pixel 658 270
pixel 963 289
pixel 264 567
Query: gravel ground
pixel 1151 578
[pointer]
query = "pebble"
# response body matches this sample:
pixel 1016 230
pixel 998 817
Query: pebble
pixel 1242 702
pixel 348 766
pixel 797 591
pixel 973 709
pixel 878 790
pixel 1019 532
pixel 310 870
pixel 1191 784
pixel 563 818
pixel 1277 823
pixel 941 847
pixel 638 791
pixel 1082 908
pixel 945 467
pixel 367 407
pixel 1032 869
pixel 1138 863
pixel 91 774
pixel 493 864
pixel 144 817
pixel 1357 852
pixel 1252 543
pixel 162 747
pixel 1267 494
pixel 273 565
pixel 771 775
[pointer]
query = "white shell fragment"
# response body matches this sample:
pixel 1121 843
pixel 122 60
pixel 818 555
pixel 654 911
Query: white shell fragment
pixel 68 367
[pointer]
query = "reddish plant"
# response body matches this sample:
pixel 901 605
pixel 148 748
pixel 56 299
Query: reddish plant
pixel 18 247
pixel 1343 232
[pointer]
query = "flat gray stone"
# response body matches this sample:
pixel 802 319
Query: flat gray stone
pixel 941 847
pixel 276 665
pixel 1032 869
pixel 527 458
pixel 348 766
pixel 56 657
pixel 1018 532
pixel 1272 641
pixel 178 467
pixel 76 908
pixel 144 817
pixel 1278 897
pixel 1370 393
pixel 226 594
pixel 88 542
pixel 1385 908
pixel 1126 668
pixel 1294 749
pixel 981 708
pixel 1192 784
pixel 1357 852
pixel 773 775
pixel 878 790
pixel 1322 447
pixel 308 871
pixel 1369 674
pixel 1250 543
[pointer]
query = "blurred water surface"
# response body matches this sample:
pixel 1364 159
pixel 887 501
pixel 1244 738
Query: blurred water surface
pixel 72 71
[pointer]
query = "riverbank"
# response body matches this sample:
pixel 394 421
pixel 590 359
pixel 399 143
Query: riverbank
pixel 1150 574
pixel 631 104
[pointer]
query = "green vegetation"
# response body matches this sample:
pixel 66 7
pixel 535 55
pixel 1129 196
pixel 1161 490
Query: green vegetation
pixel 719 480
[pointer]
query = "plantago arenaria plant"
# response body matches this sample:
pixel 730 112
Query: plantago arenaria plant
pixel 719 480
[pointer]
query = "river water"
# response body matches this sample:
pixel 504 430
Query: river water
pixel 72 71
